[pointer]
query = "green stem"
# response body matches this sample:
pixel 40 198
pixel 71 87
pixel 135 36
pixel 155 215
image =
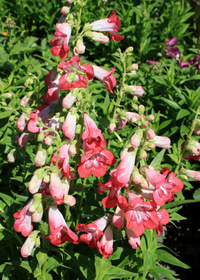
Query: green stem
pixel 188 139
pixel 81 201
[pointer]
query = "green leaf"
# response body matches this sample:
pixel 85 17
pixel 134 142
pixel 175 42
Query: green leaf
pixel 163 271
pixel 196 194
pixel 166 257
pixel 164 124
pixel 5 114
pixel 194 77
pixel 176 217
pixel 118 273
pixel 182 113
pixel 171 103
pixel 174 158
pixel 158 159
pixel 8 200
pixel 102 266
pixel 180 202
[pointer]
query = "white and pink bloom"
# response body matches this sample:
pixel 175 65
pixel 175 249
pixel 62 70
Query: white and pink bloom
pixel 105 245
pixel 23 139
pixel 59 43
pixel 164 188
pixel 191 174
pixel 56 188
pixel 52 81
pixel 21 122
pixel 60 232
pixel 162 142
pixel 69 126
pixel 92 138
pixel 163 217
pixel 105 77
pixel 29 244
pixel 95 163
pixel 71 79
pixel 40 157
pixel 63 160
pixel 110 25
pixel 93 231
pixel 23 222
pixel 140 214
pixel 133 240
pixel 136 90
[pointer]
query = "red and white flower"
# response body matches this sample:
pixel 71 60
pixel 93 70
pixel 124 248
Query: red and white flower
pixel 110 25
pixel 23 222
pixel 59 43
pixel 105 77
pixel 60 232
pixel 93 231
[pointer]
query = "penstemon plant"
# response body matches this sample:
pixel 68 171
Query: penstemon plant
pixel 100 188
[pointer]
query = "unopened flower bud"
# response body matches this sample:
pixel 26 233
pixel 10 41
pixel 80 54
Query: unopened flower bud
pixel 65 10
pixel 191 174
pixel 150 133
pixel 40 137
pixel 48 140
pixel 97 37
pixel 129 50
pixel 112 127
pixel 35 181
pixel 142 154
pixel 136 138
pixel 11 156
pixel 24 101
pixel 68 101
pixel 72 149
pixel 87 27
pixel 80 47
pixel 40 157
pixel 29 244
pixel 136 176
pixel 7 95
pixel 144 184
pixel 28 82
pixel 141 109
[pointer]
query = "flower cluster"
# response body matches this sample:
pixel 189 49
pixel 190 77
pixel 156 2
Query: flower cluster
pixel 71 147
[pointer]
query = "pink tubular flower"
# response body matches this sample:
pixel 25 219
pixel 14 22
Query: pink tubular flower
pixel 59 43
pixel 112 199
pixel 191 174
pixel 123 172
pixel 63 161
pixel 23 223
pixel 105 77
pixel 105 245
pixel 29 244
pixel 140 214
pixel 40 157
pixel 93 231
pixel 56 189
pixel 23 139
pixel 136 90
pixel 69 126
pixel 52 81
pixel 92 138
pixel 21 122
pixel 162 142
pixel 60 232
pixel 192 150
pixel 118 218
pixel 164 187
pixel 98 37
pixel 43 112
pixel 95 163
pixel 163 217
pixel 77 81
pixel 133 240
pixel 110 25
pixel 68 100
